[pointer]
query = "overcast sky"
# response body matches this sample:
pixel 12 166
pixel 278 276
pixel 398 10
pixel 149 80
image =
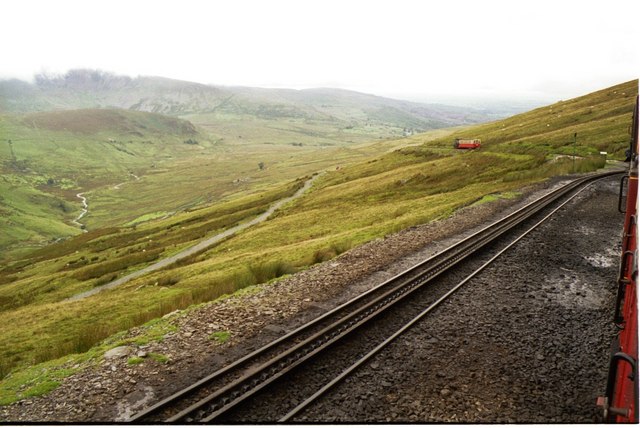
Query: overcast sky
pixel 551 49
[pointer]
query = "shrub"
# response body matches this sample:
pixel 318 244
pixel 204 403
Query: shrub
pixel 159 357
pixel 323 254
pixel 168 280
pixel 105 279
pixel 341 247
pixel 116 265
pixel 264 272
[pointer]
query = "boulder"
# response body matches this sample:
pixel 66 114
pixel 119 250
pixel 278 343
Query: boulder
pixel 119 352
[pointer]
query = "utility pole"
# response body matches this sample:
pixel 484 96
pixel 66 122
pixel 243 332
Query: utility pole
pixel 575 137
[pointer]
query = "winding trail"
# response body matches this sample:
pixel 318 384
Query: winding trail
pixel 196 248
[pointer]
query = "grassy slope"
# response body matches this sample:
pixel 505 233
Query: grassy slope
pixel 346 207
pixel 600 119
pixel 55 155
pixel 322 117
pixel 46 158
pixel 418 184
pixel 330 107
pixel 93 89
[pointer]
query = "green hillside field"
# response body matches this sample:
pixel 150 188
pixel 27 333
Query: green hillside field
pixel 47 158
pixel 119 141
pixel 421 180
pixel 130 165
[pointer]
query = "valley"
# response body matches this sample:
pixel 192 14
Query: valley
pixel 202 173
pixel 89 131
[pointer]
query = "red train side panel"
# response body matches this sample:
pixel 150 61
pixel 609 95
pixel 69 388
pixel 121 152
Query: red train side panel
pixel 620 404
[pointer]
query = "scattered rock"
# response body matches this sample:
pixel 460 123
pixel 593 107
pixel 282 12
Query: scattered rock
pixel 118 352
pixel 431 378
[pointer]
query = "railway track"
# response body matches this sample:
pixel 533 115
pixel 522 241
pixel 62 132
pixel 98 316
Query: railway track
pixel 218 394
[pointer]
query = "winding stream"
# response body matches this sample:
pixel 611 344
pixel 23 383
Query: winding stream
pixel 85 210
pixel 117 186
pixel 85 205
pixel 196 248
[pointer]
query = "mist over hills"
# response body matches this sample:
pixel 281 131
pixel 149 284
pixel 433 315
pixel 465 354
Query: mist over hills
pixel 79 89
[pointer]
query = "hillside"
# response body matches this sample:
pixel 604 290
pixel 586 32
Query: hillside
pixel 346 207
pixel 118 122
pixel 89 131
pixel 79 89
pixel 46 158
pixel 599 120
pixel 128 164
pixel 95 89
pixel 353 106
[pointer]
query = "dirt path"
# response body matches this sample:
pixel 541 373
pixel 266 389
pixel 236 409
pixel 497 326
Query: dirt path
pixel 198 247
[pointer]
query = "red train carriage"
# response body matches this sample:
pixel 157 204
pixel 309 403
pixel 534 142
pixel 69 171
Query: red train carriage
pixel 621 401
pixel 459 143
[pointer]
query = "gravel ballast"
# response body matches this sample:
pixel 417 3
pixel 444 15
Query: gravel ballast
pixel 527 341
pixel 546 310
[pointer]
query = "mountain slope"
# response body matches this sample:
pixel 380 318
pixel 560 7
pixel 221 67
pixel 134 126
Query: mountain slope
pixel 599 121
pixel 88 130
pixel 353 106
pixel 95 89
pixel 346 207
pixel 46 158
pixel 79 89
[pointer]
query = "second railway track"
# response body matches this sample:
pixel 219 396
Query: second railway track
pixel 217 395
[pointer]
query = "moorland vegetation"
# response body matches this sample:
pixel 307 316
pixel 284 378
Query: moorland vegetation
pixel 367 190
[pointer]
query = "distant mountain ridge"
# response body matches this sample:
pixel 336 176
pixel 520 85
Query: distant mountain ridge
pixel 79 89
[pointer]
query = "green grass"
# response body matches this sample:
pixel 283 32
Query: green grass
pixel 600 120
pixel 53 156
pixel 153 331
pixel 32 382
pixel 346 207
pixel 135 361
pixel 41 378
pixel 147 217
pixel 49 157
pixel 163 359
pixel 495 197
pixel 220 336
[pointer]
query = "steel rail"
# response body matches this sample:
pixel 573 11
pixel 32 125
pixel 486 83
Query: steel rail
pixel 228 397
pixel 320 392
pixel 249 379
